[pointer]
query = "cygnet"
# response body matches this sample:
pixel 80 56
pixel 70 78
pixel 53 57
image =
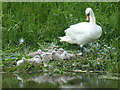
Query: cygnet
pixel 39 52
pixel 65 56
pixel 60 51
pixel 20 62
pixel 56 56
pixel 46 58
pixel 36 59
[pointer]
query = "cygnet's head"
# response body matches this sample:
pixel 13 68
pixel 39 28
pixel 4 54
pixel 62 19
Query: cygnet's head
pixel 23 58
pixel 60 51
pixel 36 56
pixel 53 52
pixel 48 54
pixel 39 50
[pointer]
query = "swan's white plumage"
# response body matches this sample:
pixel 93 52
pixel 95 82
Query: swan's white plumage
pixel 84 32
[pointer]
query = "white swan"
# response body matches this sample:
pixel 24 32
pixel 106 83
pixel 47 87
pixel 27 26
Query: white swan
pixel 84 32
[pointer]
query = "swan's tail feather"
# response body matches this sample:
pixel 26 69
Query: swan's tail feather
pixel 66 39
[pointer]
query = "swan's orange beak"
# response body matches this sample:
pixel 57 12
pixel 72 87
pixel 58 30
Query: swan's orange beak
pixel 88 18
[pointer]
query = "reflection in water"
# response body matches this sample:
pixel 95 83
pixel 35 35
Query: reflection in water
pixel 52 79
pixel 21 81
pixel 71 80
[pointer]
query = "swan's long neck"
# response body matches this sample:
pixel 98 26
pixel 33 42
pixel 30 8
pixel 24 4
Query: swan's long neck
pixel 92 18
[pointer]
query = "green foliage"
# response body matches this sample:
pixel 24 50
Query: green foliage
pixel 40 24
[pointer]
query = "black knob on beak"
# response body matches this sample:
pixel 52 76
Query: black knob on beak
pixel 88 17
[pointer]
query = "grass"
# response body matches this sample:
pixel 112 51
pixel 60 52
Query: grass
pixel 40 24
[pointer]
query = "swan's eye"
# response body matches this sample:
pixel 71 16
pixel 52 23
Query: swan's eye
pixel 88 14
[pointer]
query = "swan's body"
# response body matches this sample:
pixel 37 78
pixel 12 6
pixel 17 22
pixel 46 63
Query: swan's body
pixel 84 32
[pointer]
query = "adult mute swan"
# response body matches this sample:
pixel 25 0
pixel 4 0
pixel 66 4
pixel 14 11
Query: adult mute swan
pixel 84 32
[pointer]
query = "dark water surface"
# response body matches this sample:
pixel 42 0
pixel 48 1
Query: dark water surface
pixel 68 80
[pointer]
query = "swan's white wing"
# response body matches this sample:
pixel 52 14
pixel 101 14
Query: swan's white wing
pixel 83 33
pixel 80 27
pixel 99 29
pixel 77 30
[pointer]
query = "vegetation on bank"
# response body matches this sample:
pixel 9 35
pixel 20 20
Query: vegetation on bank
pixel 28 26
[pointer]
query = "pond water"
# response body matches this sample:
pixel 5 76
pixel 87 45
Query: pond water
pixel 68 80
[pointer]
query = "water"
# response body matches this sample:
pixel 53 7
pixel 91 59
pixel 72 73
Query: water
pixel 68 80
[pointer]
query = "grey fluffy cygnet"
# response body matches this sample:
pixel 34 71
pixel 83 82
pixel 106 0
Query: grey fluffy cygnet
pixel 20 62
pixel 60 51
pixel 56 56
pixel 46 57
pixel 65 56
pixel 36 59
pixel 39 52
